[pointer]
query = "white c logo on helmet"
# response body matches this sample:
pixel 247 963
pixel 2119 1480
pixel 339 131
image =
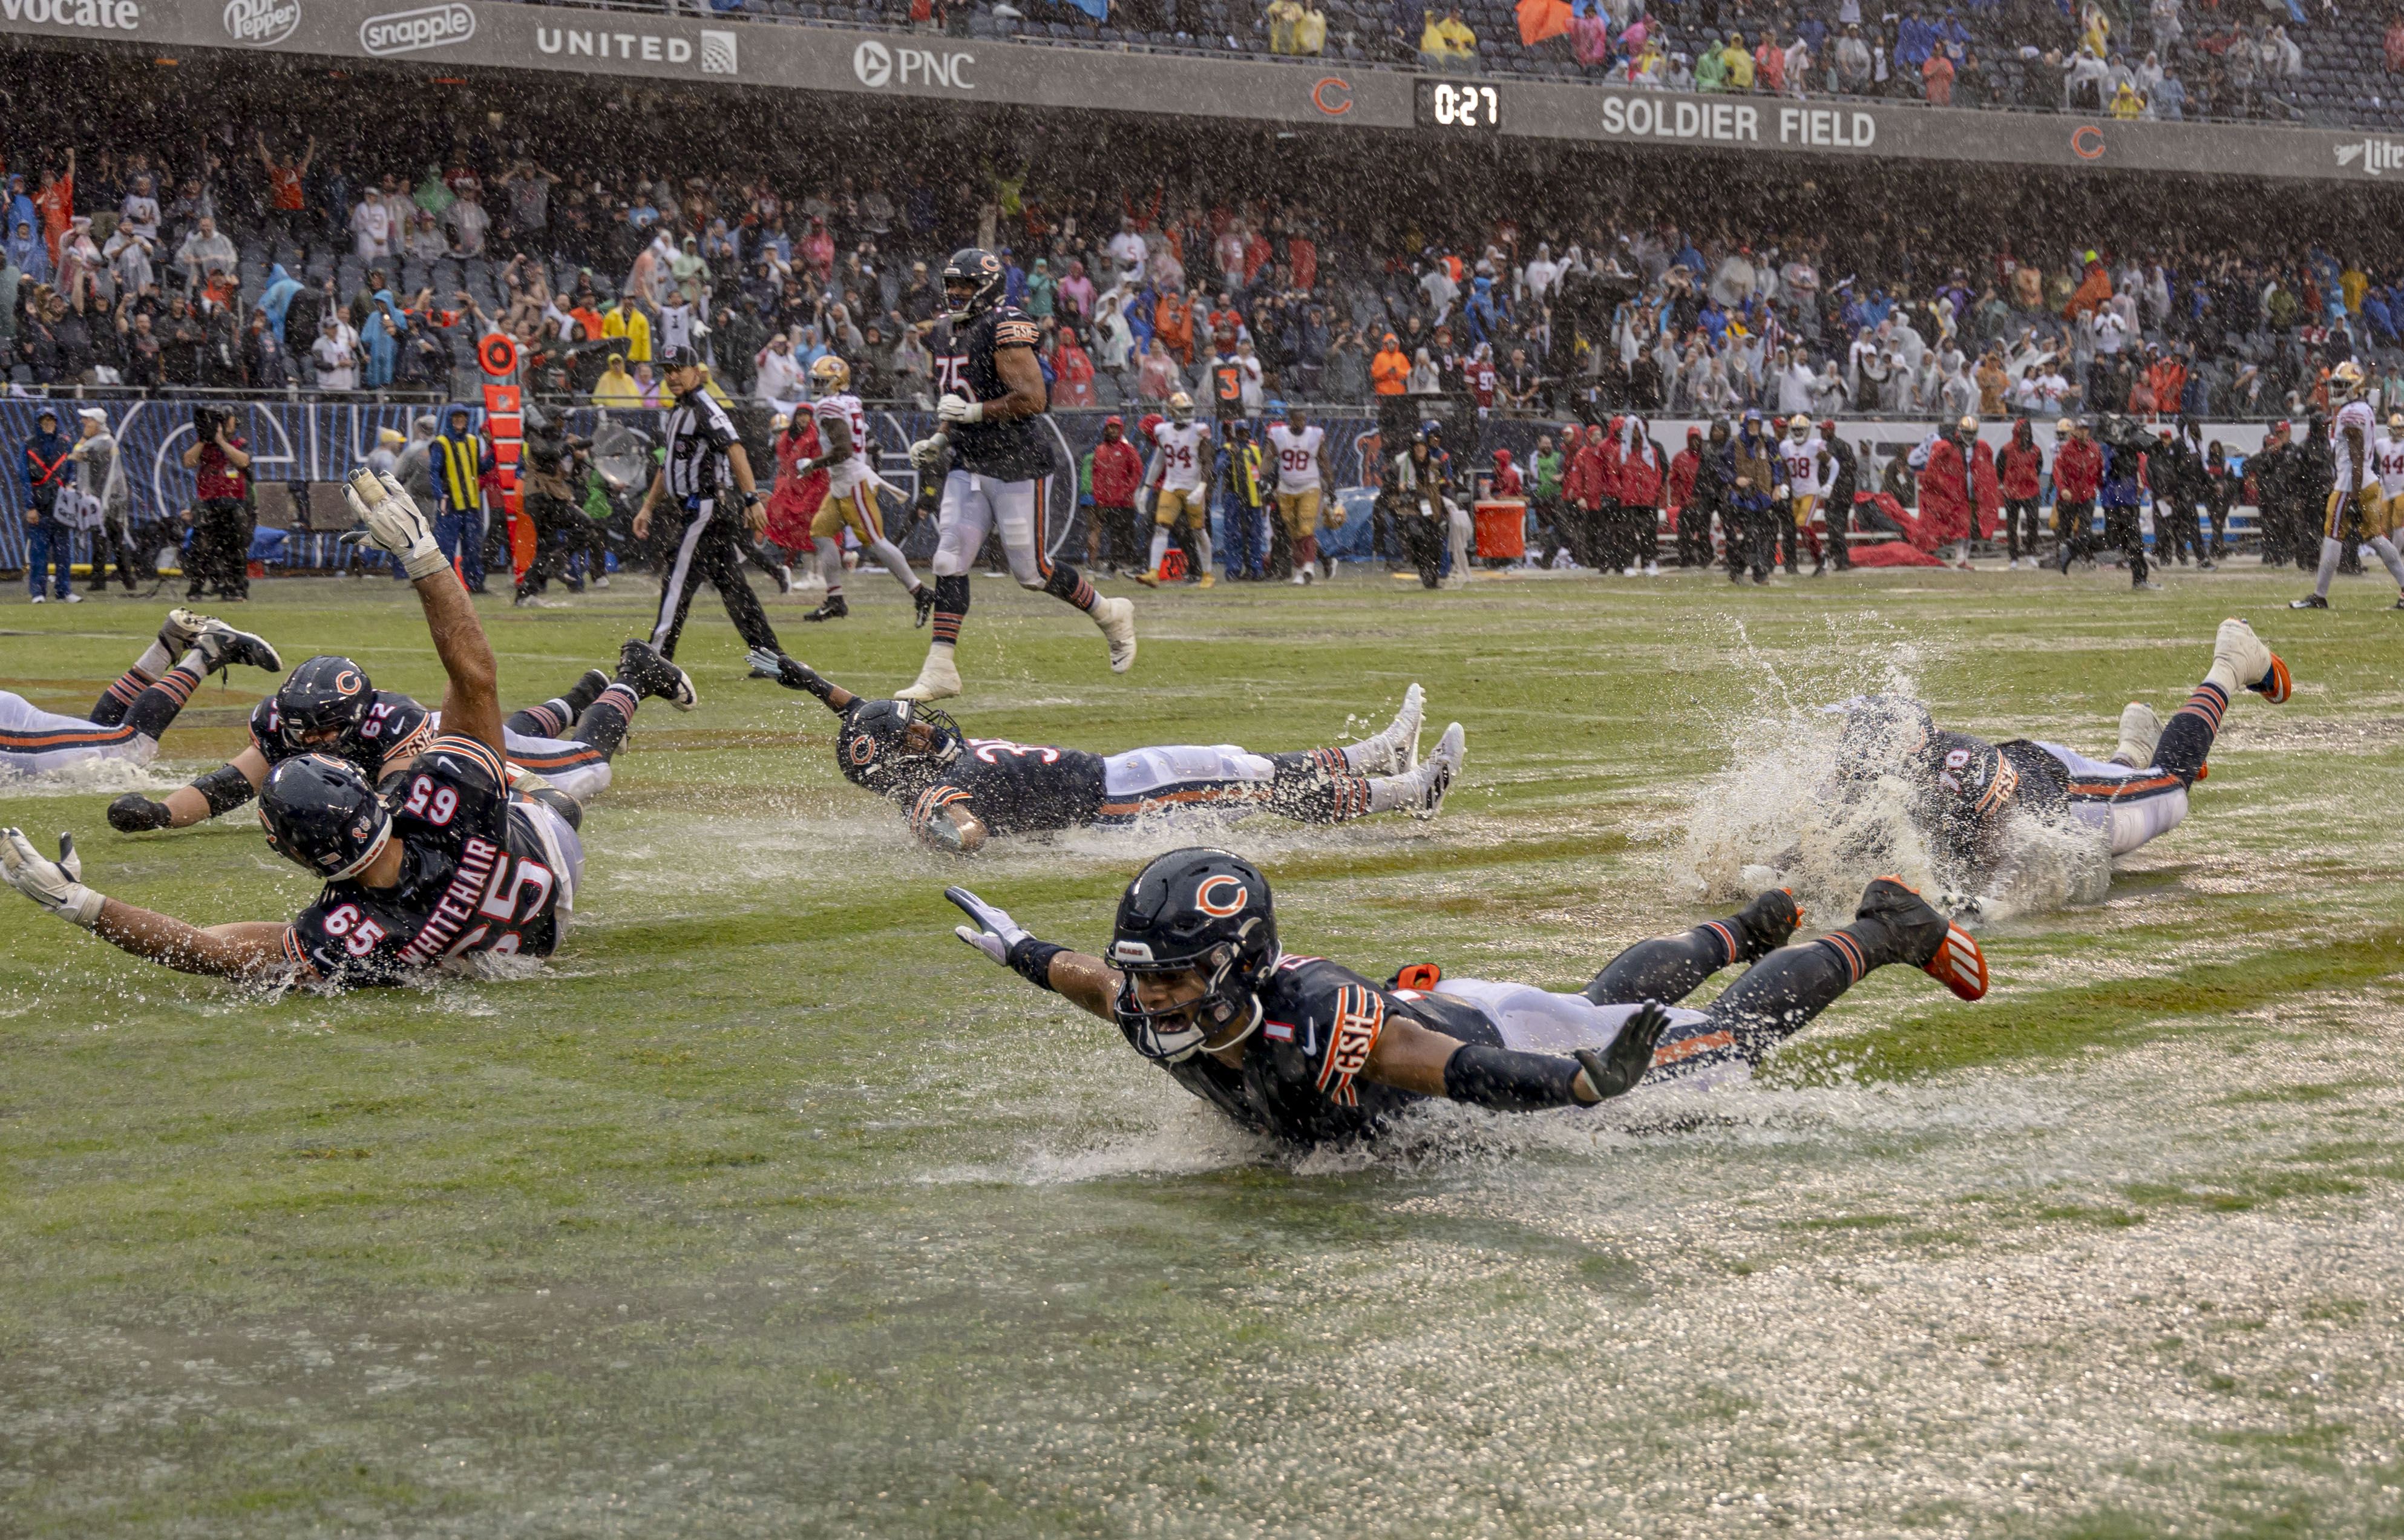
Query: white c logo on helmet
pixel 1221 907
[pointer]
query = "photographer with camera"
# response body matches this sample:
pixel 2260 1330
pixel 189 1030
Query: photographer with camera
pixel 221 516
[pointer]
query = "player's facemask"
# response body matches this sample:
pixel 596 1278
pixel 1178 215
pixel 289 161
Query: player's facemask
pixel 898 748
pixel 1224 1014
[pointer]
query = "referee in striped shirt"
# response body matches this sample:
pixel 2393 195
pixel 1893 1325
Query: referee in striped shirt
pixel 706 479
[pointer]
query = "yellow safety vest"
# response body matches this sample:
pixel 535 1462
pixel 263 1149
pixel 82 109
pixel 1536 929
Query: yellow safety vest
pixel 459 464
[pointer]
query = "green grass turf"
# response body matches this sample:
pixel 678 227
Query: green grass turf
pixel 767 1208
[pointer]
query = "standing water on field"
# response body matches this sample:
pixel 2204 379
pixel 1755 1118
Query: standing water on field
pixel 766 1208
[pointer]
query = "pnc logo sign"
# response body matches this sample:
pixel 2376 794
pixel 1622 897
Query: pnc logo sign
pixel 878 66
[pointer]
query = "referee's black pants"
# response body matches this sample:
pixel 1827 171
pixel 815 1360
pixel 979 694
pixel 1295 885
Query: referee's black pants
pixel 710 550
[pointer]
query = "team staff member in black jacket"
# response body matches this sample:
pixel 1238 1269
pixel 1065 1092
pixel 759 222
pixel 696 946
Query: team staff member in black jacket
pixel 2272 470
pixel 2222 486
pixel 706 476
pixel 1843 486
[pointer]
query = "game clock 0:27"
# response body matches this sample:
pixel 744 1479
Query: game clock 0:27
pixel 1443 104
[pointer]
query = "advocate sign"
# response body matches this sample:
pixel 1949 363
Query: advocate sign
pixel 1300 92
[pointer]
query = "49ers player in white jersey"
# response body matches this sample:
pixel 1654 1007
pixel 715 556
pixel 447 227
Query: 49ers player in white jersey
pixel 2387 461
pixel 1302 477
pixel 2357 507
pixel 1803 464
pixel 1184 495
pixel 852 486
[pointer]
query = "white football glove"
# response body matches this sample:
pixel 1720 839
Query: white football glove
pixel 57 884
pixel 960 409
pixel 994 932
pixel 395 525
pixel 926 454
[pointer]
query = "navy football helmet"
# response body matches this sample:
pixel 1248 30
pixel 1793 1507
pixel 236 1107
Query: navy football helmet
pixel 876 747
pixel 322 703
pixel 974 283
pixel 320 812
pixel 1203 910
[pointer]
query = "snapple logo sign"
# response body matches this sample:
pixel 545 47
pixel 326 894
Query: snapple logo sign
pixel 261 24
pixel 408 31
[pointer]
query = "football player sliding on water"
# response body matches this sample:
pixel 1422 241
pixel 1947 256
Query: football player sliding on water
pixel 131 714
pixel 961 792
pixel 329 706
pixel 1307 1051
pixel 1965 791
pixel 456 864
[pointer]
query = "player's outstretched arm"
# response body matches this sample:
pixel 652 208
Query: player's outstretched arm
pixel 222 789
pixel 1086 982
pixel 793 674
pixel 222 951
pixel 472 705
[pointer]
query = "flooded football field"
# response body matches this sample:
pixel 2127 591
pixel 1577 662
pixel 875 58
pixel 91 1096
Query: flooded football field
pixel 767 1208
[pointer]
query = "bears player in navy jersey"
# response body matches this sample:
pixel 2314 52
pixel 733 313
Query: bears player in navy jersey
pixel 1965 791
pixel 961 792
pixel 454 866
pixel 1000 465
pixel 329 706
pixel 1309 1052
pixel 127 720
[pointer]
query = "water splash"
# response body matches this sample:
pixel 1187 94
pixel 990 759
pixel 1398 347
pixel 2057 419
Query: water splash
pixel 1775 820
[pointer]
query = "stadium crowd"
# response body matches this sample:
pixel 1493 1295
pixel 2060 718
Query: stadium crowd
pixel 263 260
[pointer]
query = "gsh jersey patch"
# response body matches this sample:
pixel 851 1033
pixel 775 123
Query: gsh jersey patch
pixel 1360 1017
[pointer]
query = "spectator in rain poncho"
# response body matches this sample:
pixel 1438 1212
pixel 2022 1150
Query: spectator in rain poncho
pixel 26 250
pixel 781 381
pixel 277 299
pixel 381 337
pixel 21 207
pixel 1487 309
pixel 128 254
pixel 1113 338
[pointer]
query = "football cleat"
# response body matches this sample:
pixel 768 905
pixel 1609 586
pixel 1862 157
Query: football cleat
pixel 1959 965
pixel 924 597
pixel 1436 775
pixel 2311 601
pixel 1150 577
pixel 1767 922
pixel 2251 660
pixel 833 609
pixel 1116 618
pixel 1399 741
pixel 938 678
pixel 224 647
pixel 182 628
pixel 592 684
pixel 2141 728
pixel 640 665
pixel 1208 579
pixel 1953 956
